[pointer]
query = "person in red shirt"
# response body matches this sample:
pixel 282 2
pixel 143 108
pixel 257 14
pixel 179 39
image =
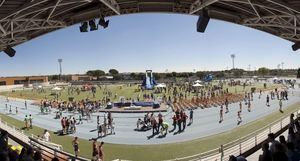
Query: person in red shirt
pixel 179 120
pixel 154 127
pixel 174 118
pixel 160 120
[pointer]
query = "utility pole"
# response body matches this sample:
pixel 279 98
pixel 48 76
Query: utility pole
pixel 232 57
pixel 60 68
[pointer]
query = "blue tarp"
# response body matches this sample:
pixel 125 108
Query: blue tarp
pixel 143 104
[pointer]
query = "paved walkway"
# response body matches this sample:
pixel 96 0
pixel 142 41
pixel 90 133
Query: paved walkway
pixel 205 121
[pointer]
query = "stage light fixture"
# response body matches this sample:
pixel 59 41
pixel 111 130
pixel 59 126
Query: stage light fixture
pixel 10 51
pixel 103 23
pixel 93 25
pixel 202 21
pixel 296 46
pixel 84 27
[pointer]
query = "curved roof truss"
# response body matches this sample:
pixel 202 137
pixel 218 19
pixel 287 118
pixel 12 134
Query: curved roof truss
pixel 23 20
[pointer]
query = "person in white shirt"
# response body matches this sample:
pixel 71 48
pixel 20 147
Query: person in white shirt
pixel 46 135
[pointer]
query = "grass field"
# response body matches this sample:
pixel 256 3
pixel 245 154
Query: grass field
pixel 120 90
pixel 162 151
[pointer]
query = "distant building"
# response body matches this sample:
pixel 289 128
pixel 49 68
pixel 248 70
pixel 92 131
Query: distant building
pixel 25 80
pixel 81 78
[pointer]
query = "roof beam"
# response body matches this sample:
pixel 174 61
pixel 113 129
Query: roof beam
pixel 2 29
pixel 199 5
pixel 272 25
pixel 256 11
pixel 112 4
pixel 23 8
pixel 238 7
pixel 49 6
pixel 260 5
pixel 23 25
pixel 12 42
pixel 2 2
pixel 295 25
pixel 284 5
pixel 53 9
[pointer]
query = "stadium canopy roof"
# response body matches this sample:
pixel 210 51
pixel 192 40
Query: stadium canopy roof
pixel 23 20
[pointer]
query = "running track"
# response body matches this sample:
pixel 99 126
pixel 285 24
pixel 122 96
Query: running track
pixel 205 121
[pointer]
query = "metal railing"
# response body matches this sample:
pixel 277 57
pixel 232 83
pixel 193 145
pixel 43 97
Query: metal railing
pixel 50 152
pixel 241 145
pixel 48 149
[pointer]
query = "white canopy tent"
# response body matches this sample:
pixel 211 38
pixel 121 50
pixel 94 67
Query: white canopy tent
pixel 56 89
pixel 197 85
pixel 198 81
pixel 162 85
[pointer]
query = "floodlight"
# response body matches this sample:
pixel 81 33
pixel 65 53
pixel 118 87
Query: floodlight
pixel 84 27
pixel 202 21
pixel 103 23
pixel 10 51
pixel 296 46
pixel 93 25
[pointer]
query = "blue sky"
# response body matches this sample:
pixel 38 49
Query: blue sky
pixel 134 43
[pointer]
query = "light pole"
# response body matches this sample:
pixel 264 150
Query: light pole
pixel 249 69
pixel 232 57
pixel 60 69
pixel 282 65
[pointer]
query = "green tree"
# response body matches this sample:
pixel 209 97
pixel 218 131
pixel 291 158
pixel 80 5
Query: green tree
pixel 95 73
pixel 263 71
pixel 237 72
pixel 133 75
pixel 174 74
pixel 90 73
pixel 98 73
pixel 220 74
pixel 156 76
pixel 200 74
pixel 113 72
pixel 53 77
pixel 298 74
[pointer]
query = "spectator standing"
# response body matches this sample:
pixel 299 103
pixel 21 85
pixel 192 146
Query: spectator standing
pixel 46 135
pixel 266 155
pixel 75 144
pixel 3 141
pixel 30 121
pixel 273 142
pixel 191 116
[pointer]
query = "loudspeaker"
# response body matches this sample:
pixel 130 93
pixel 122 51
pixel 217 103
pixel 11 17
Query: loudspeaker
pixel 84 27
pixel 103 23
pixel 296 46
pixel 202 21
pixel 10 51
pixel 93 25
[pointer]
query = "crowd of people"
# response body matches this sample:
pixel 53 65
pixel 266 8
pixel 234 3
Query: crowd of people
pixel 8 153
pixel 180 120
pixel 281 149
pixel 159 125
pixel 285 148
